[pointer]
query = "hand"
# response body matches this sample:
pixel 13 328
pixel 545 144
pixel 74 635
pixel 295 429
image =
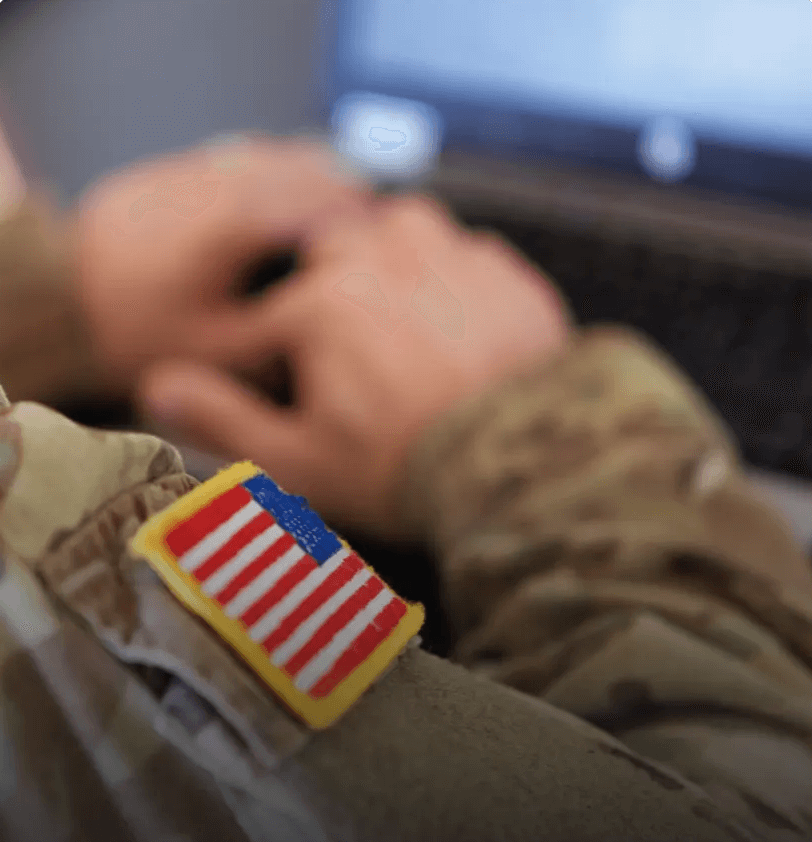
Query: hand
pixel 164 247
pixel 398 314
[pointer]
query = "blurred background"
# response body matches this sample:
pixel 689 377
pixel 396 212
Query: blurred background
pixel 93 84
pixel 655 158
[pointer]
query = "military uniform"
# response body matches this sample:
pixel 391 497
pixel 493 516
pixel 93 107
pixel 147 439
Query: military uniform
pixel 633 627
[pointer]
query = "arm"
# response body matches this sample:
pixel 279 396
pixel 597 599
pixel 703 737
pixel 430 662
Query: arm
pixel 431 751
pixel 600 549
pixel 91 297
pixel 587 516
pixel 44 340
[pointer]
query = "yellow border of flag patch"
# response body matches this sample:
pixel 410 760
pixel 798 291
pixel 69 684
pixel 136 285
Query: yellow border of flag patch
pixel 316 713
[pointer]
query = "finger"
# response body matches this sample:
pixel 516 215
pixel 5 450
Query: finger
pixel 215 412
pixel 285 189
pixel 242 334
pixel 494 245
pixel 419 216
pixel 235 155
pixel 302 155
pixel 237 200
pixel 392 234
pixel 494 250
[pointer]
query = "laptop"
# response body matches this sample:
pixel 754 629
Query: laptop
pixel 655 158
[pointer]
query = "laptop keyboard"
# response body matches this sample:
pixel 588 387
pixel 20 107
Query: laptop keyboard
pixel 745 336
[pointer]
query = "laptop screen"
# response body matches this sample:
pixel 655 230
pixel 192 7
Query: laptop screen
pixel 716 93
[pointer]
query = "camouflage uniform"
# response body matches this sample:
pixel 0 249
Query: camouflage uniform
pixel 634 639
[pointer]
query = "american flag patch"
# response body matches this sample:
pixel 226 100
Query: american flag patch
pixel 301 608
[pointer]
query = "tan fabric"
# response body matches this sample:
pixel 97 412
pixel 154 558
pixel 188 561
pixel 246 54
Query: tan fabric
pixel 171 705
pixel 45 353
pixel 601 550
pixel 162 734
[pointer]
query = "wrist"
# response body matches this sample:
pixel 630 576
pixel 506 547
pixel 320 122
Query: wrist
pixel 436 503
pixel 534 428
pixel 45 347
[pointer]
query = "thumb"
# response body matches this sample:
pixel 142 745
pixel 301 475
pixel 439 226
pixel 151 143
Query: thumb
pixel 218 413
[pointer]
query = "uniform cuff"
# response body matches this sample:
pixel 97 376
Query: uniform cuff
pixel 45 351
pixel 552 423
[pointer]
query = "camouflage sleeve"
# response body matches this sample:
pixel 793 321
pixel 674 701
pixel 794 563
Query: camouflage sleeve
pixel 122 716
pixel 44 348
pixel 600 549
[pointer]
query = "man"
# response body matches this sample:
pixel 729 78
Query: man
pixel 633 629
